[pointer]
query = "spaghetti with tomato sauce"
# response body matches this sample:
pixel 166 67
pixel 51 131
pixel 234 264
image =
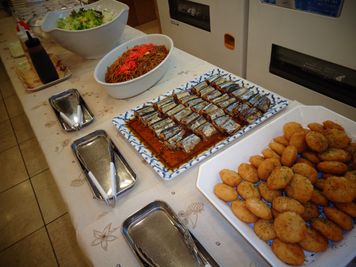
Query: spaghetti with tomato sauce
pixel 135 62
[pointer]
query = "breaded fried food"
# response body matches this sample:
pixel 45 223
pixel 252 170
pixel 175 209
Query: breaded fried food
pixel 259 208
pixel 277 147
pixel 303 160
pixel 248 172
pixel 283 204
pixel 240 210
pixel 320 183
pixel 290 227
pixel 311 156
pixel 267 193
pixel 335 154
pixel 333 167
pixel 256 160
pixel 316 127
pixel 266 167
pixel 264 229
pixel 340 218
pixel 248 190
pixel 275 213
pixel 328 124
pixel 316 141
pixel 300 188
pixel 298 141
pixel 326 175
pixel 349 208
pixel 279 178
pixel 328 229
pixel 351 176
pixel 291 254
pixel 269 153
pixel 314 242
pixel 290 128
pixel 281 140
pixel 225 192
pixel 338 189
pixel 337 138
pixel 318 198
pixel 230 177
pixel 289 156
pixel 310 211
pixel 306 170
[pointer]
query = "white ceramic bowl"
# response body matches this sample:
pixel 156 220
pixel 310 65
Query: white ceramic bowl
pixel 138 85
pixel 91 43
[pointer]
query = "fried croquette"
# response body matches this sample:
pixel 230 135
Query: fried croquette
pixel 314 242
pixel 230 177
pixel 290 227
pixel 259 208
pixel 316 141
pixel 248 172
pixel 240 210
pixel 340 218
pixel 248 190
pixel 282 204
pixel 291 254
pixel 328 229
pixel 289 156
pixel 279 178
pixel 225 192
pixel 300 188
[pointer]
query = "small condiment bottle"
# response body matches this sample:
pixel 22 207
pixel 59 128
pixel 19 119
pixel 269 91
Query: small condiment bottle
pixel 40 60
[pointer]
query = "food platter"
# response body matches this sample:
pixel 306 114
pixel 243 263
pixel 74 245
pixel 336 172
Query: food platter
pixel 338 253
pixel 277 103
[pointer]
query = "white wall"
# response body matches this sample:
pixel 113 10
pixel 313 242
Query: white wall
pixel 228 16
pixel 331 39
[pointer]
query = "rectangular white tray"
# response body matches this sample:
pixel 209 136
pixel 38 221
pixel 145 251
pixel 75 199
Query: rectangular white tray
pixel 338 254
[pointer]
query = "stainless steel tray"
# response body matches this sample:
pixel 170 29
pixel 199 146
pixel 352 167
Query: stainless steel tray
pixel 158 238
pixel 95 151
pixel 67 102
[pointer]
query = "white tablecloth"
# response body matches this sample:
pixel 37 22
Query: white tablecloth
pixel 98 227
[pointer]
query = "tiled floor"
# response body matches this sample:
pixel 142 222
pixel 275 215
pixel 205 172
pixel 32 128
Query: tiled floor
pixel 35 228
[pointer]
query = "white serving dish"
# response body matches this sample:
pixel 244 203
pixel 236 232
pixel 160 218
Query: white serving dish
pixel 140 84
pixel 90 43
pixel 338 254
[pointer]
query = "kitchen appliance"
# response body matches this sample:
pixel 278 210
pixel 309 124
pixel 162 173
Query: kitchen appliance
pixel 305 50
pixel 213 31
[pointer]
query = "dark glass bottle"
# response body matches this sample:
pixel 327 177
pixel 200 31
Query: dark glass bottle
pixel 40 60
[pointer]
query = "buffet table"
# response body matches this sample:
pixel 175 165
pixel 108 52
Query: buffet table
pixel 98 226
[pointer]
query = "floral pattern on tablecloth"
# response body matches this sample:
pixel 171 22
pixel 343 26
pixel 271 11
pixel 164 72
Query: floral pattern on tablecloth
pixel 103 238
pixel 191 214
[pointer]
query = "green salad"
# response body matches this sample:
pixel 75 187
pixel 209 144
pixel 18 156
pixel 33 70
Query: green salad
pixel 84 19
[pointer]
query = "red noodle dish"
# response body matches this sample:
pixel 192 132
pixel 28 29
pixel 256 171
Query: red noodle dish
pixel 135 62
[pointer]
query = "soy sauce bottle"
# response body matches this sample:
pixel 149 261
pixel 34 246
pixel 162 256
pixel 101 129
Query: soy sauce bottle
pixel 40 60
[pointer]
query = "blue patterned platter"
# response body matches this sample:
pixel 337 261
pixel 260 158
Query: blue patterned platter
pixel 277 104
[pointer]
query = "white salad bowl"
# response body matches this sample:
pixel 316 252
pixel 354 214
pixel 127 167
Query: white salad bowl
pixel 90 43
pixel 138 85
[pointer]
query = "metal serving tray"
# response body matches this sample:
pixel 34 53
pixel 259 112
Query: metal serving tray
pixel 67 103
pixel 158 238
pixel 95 151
